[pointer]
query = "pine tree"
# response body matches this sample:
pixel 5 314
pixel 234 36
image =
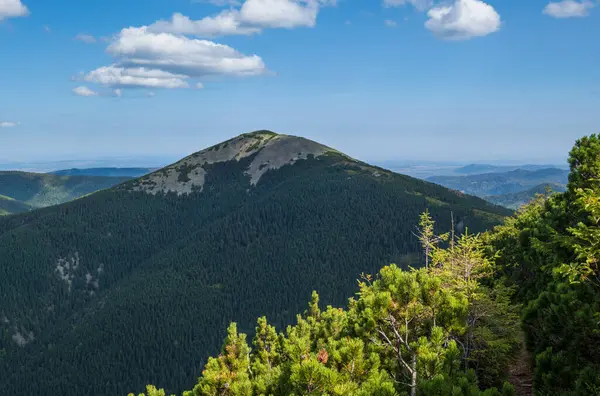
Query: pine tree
pixel 402 310
pixel 228 374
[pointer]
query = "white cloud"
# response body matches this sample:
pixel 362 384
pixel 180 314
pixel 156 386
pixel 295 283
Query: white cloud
pixel 569 9
pixel 84 91
pixel 8 124
pixel 136 47
pixel 252 17
pixel 85 38
pixel 150 94
pixel 118 92
pixel 420 5
pixel 463 20
pixel 164 60
pixel 199 85
pixel 390 23
pixel 12 9
pixel 116 76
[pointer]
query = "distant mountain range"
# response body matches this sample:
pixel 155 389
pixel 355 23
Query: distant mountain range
pixel 425 170
pixel 511 188
pixel 136 284
pixel 475 169
pixel 23 191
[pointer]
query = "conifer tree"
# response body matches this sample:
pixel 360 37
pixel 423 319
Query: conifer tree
pixel 228 374
pixel 402 310
pixel 427 237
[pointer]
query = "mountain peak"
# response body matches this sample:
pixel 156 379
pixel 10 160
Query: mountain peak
pixel 269 150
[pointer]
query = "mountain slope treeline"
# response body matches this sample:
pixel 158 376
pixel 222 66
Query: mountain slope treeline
pixel 128 286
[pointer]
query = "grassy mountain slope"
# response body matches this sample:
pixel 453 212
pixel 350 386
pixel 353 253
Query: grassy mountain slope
pixel 112 172
pixel 516 200
pixel 39 190
pixel 9 205
pixel 502 183
pixel 136 284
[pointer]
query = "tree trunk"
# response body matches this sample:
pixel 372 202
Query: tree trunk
pixel 413 381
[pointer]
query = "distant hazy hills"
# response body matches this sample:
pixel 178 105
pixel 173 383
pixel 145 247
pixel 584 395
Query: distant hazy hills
pixel 476 169
pixel 425 170
pixel 514 186
pixel 136 284
pixel 22 191
pixel 111 172
pixel 518 199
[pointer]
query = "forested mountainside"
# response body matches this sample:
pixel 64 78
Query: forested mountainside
pixel 38 190
pixel 136 284
pixel 112 172
pixel 516 200
pixel 487 184
pixel 453 327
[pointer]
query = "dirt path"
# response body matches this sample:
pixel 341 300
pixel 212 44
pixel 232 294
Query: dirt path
pixel 520 374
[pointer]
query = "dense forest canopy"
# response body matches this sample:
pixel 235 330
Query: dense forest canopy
pixel 453 327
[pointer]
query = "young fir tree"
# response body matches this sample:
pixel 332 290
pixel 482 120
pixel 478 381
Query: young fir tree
pixel 427 237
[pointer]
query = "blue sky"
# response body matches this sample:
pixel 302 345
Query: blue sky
pixel 459 80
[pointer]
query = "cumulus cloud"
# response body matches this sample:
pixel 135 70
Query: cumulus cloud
pixel 84 91
pixel 420 5
pixel 463 20
pixel 165 60
pixel 252 17
pixel 8 124
pixel 390 23
pixel 12 9
pixel 199 85
pixel 569 9
pixel 137 47
pixel 85 38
